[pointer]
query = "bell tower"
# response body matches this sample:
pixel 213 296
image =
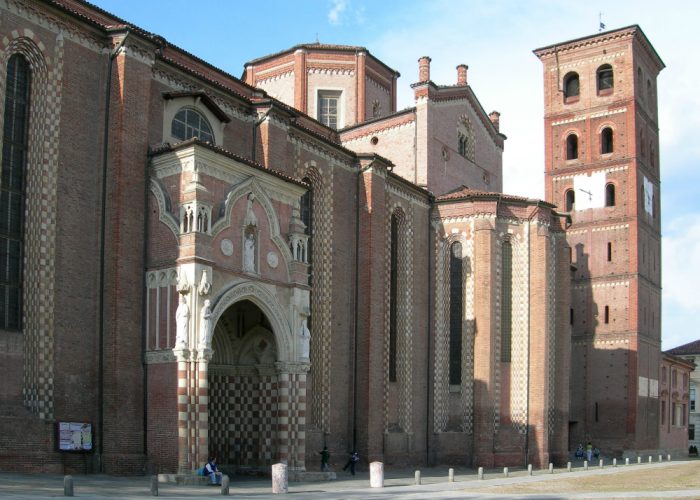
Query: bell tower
pixel 602 167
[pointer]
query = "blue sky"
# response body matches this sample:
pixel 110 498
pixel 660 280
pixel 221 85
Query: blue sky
pixel 496 39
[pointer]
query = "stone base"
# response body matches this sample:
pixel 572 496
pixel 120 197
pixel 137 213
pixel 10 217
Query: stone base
pixel 299 476
pixel 187 479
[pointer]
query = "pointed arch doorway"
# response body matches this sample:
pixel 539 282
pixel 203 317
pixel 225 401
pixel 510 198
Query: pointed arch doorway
pixel 244 390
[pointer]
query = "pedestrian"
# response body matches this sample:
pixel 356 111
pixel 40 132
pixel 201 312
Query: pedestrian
pixel 325 457
pixel 589 451
pixel 354 458
pixel 212 470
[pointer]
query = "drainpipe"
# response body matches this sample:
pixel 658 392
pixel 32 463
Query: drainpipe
pixel 101 313
pixel 255 132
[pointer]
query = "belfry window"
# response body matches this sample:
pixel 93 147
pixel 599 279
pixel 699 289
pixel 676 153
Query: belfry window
pixel 571 87
pixel 456 299
pixel 189 123
pixel 605 79
pixel 610 195
pixel 606 141
pixel 571 147
pixel 506 301
pixel 12 192
pixel 570 200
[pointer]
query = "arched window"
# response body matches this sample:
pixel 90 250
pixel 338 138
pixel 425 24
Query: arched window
pixel 189 123
pixel 650 94
pixel 610 195
pixel 456 298
pixel 571 86
pixel 12 183
pixel 393 297
pixel 571 147
pixel 606 140
pixel 652 154
pixel 570 200
pixel 605 79
pixel 506 301
pixel 642 146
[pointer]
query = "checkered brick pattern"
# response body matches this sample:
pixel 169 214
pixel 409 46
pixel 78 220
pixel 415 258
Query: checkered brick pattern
pixel 521 325
pixel 321 295
pixel 40 211
pixel 296 434
pixel 498 285
pixel 404 322
pixel 551 331
pixel 442 314
pixel 467 400
pixel 243 417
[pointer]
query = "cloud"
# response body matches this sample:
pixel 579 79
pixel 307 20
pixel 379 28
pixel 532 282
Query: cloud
pixel 336 11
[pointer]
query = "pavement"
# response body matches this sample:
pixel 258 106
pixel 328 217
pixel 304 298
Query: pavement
pixel 399 483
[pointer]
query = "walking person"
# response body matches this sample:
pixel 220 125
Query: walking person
pixel 212 470
pixel 325 458
pixel 589 452
pixel 354 458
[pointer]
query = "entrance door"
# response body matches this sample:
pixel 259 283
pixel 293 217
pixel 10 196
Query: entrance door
pixel 243 390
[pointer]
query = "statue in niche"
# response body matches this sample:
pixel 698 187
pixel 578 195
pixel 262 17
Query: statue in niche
pixel 182 317
pixel 305 337
pixel 204 284
pixel 205 326
pixel 249 253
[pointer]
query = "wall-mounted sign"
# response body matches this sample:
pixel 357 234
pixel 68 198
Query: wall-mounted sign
pixel 74 436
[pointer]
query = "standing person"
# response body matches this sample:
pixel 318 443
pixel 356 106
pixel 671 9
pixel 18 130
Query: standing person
pixel 589 451
pixel 212 470
pixel 325 457
pixel 354 458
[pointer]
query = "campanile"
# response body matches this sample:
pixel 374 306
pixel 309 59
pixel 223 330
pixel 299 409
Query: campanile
pixel 602 168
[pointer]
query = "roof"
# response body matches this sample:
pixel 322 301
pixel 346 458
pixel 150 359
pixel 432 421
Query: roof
pixel 321 46
pixel 464 192
pixel 689 348
pixel 610 34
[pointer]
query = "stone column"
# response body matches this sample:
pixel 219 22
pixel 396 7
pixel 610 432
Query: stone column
pixel 291 408
pixel 182 356
pixel 201 409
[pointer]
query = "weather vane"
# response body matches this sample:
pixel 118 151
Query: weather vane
pixel 601 24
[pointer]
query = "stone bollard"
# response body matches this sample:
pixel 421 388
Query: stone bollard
pixel 154 486
pixel 451 476
pixel 639 460
pixel 480 473
pixel 279 478
pixel 600 463
pixel 376 475
pixel 614 462
pixel 225 483
pixel 505 471
pixel 551 468
pixel 67 486
pixel 568 466
pixel 585 465
pixel 661 458
pixel 417 477
pixel 649 458
pixel 668 457
pixel 529 469
pixel 627 461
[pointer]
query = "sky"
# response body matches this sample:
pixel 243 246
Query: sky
pixel 496 39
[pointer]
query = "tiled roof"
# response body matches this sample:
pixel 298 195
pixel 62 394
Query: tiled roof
pixel 465 192
pixel 690 348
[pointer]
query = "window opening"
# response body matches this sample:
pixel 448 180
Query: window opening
pixel 189 123
pixel 329 108
pixel 607 315
pixel 606 141
pixel 456 299
pixel 610 195
pixel 605 78
pixel 12 195
pixel 570 200
pixel 572 147
pixel 571 87
pixel 609 251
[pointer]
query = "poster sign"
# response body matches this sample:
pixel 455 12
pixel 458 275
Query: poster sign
pixel 74 436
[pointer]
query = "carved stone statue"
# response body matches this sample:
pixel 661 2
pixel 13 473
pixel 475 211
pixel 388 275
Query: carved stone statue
pixel 182 317
pixel 205 326
pixel 249 253
pixel 204 284
pixel 305 337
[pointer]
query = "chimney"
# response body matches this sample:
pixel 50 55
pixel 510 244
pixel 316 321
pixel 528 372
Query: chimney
pixel 462 75
pixel 424 69
pixel 495 117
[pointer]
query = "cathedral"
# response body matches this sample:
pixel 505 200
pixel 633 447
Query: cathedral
pixel 194 264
